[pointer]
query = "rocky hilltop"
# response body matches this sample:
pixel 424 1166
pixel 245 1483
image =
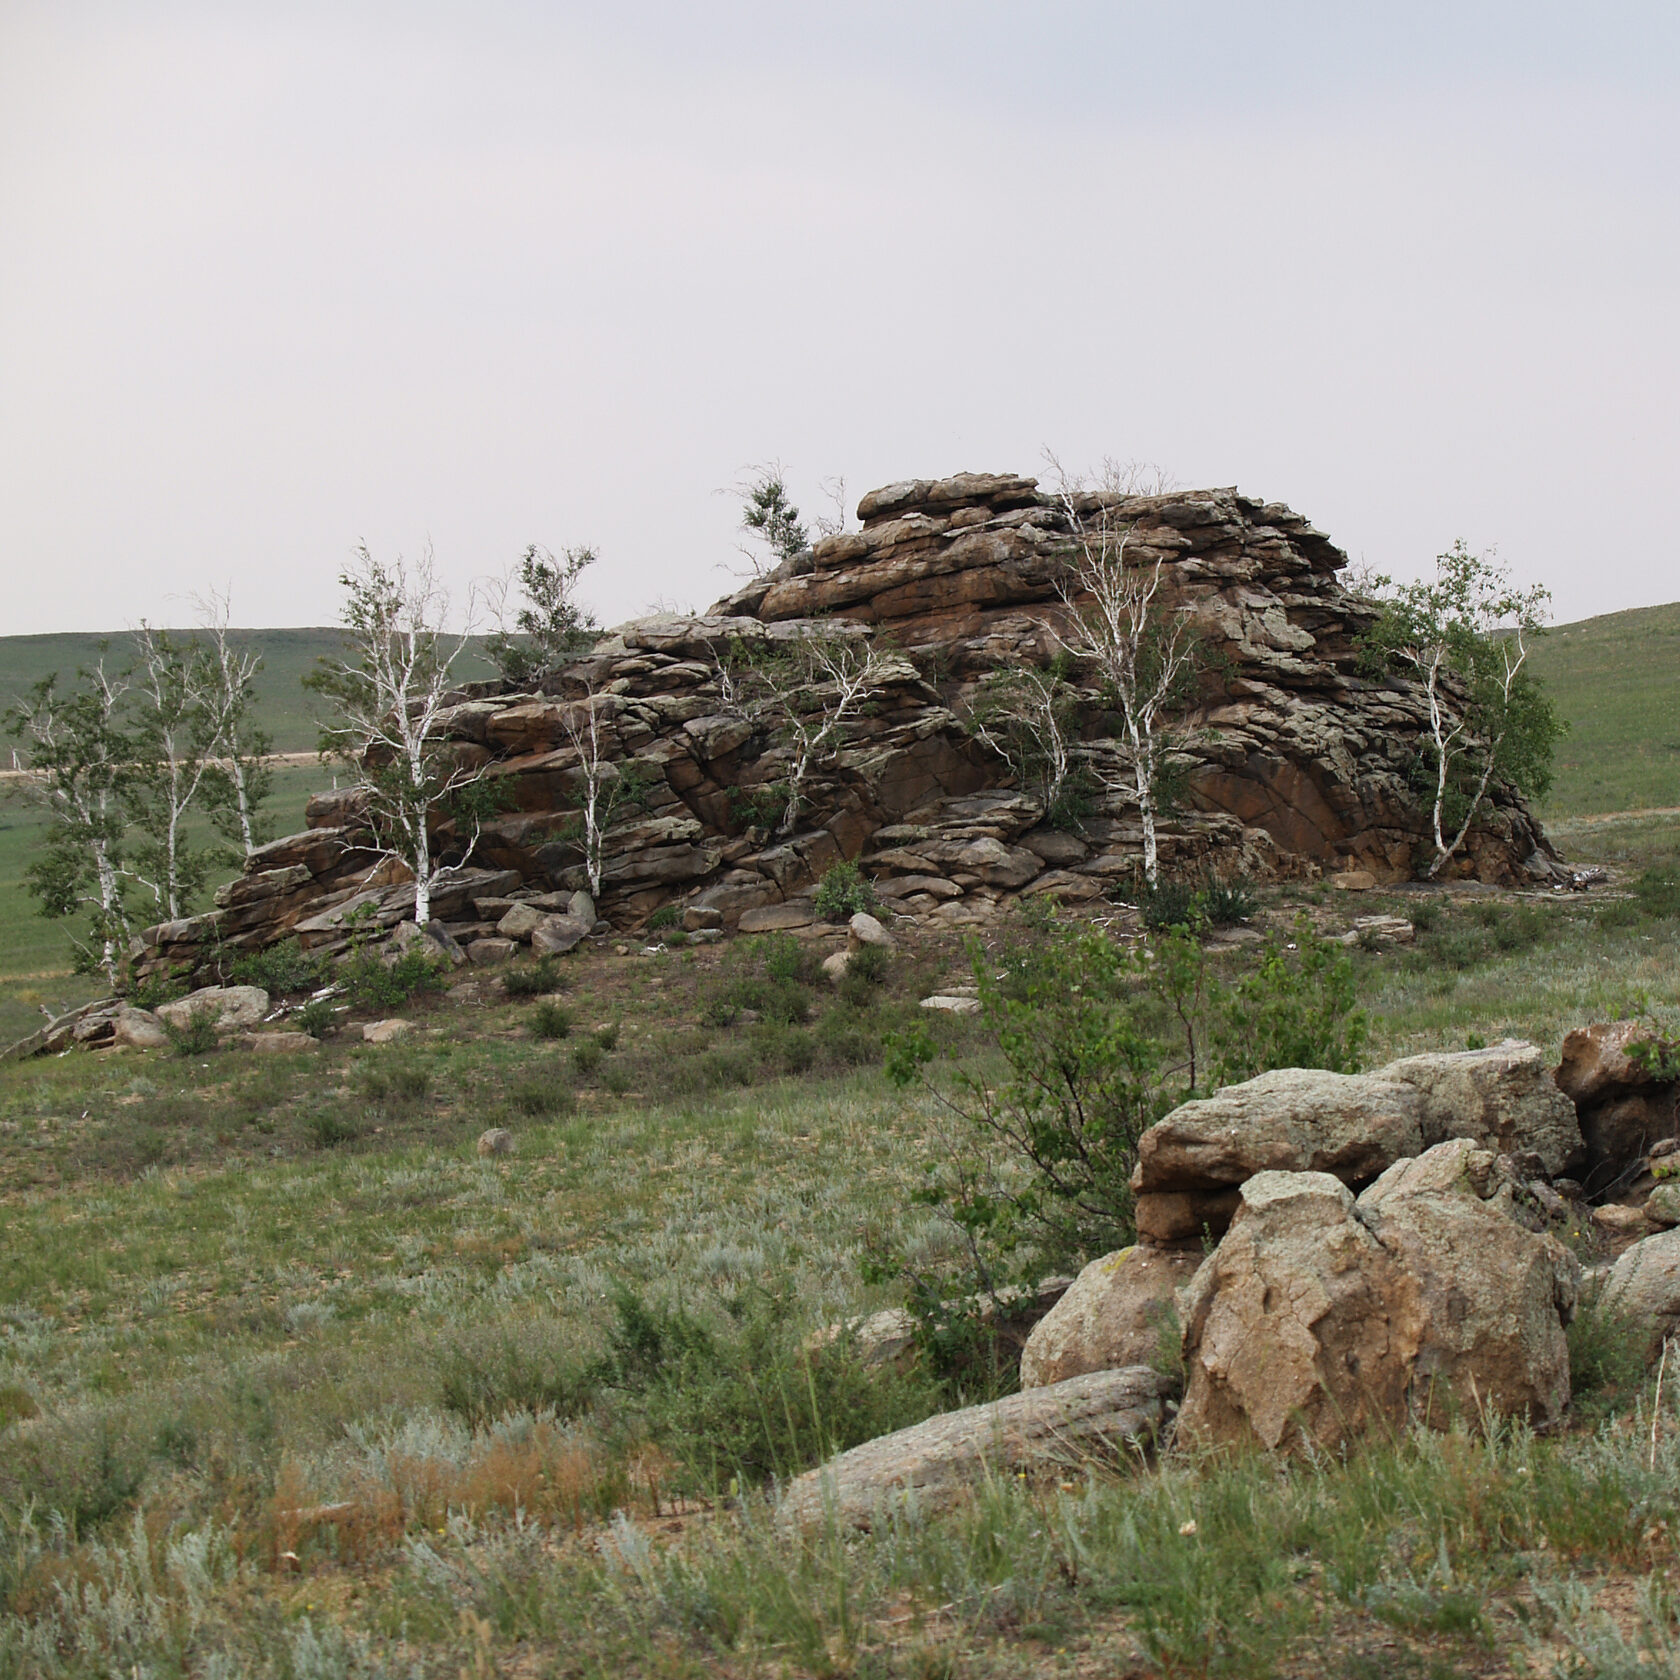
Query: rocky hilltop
pixel 1293 761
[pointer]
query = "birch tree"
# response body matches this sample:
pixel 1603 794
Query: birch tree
pixel 808 691
pixel 1025 714
pixel 540 622
pixel 606 789
pixel 1140 645
pixel 386 690
pixel 173 741
pixel 77 757
pixel 1464 637
pixel 239 778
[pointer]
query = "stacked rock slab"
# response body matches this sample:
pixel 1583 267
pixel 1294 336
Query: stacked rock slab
pixel 1296 758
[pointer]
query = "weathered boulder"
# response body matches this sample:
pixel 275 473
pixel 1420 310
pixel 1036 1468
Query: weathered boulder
pixel 387 1031
pixel 555 935
pixel 498 1140
pixel 520 922
pixel 1318 1318
pixel 1623 1107
pixel 232 1006
pixel 486 952
pixel 1353 1126
pixel 1503 1097
pixel 139 1029
pixel 864 929
pixel 1118 1312
pixel 1645 1285
pixel 931 1465
pixel 281 1043
pixel 776 918
pixel 1291 1120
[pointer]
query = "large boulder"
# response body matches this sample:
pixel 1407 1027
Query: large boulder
pixel 1319 1318
pixel 232 1006
pixel 1291 1120
pixel 1503 1097
pixel 1120 1311
pixel 1353 1126
pixel 931 1465
pixel 1645 1285
pixel 1623 1108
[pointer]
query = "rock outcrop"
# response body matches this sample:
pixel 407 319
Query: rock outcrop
pixel 1352 1126
pixel 1319 1318
pixel 1295 759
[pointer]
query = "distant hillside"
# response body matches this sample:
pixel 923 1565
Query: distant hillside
pixel 1617 681
pixel 286 709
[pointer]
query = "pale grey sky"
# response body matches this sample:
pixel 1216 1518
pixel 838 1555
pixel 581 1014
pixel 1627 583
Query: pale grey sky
pixel 277 277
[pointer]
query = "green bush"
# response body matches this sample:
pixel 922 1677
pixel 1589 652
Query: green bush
pixel 326 1129
pixel 164 987
pixel 736 1398
pixel 282 968
pixel 867 970
pixel 374 984
pixel 844 891
pixel 1657 891
pixel 587 1056
pixel 485 1379
pixel 1168 904
pixel 607 1036
pixel 1225 903
pixel 551 1020
pixel 392 1080
pixel 771 975
pixel 666 916
pixel 197 1035
pixel 1099 1042
pixel 541 977
pixel 1607 1355
pixel 317 1017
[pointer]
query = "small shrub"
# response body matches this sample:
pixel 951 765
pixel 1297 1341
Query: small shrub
pixel 317 1017
pixel 844 891
pixel 1425 915
pixel 1225 903
pixel 1657 891
pixel 197 1035
pixel 867 971
pixel 326 1129
pixel 373 984
pixel 391 1080
pixel 587 1056
pixel 282 968
pixel 160 988
pixel 607 1036
pixel 1168 904
pixel 16 1404
pixel 485 1380
pixel 1607 1349
pixel 666 916
pixel 551 1020
pixel 537 1095
pixel 771 975
pixel 736 1397
pixel 541 977
pixel 617 1080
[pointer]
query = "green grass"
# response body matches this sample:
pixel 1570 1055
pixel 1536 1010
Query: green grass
pixel 235 1291
pixel 1616 680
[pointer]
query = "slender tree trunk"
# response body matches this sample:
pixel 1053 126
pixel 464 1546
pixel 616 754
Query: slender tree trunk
pixel 241 796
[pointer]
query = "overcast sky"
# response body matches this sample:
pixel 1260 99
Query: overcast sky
pixel 275 278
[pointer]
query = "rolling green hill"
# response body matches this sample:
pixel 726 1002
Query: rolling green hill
pixel 1616 680
pixel 288 655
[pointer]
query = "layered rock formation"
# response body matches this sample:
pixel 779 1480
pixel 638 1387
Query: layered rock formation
pixel 1294 761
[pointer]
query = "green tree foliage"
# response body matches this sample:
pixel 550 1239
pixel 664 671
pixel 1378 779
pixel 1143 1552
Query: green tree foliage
pixel 1464 637
pixel 1099 1041
pixel 1028 716
pixel 78 758
pixel 769 516
pixel 548 625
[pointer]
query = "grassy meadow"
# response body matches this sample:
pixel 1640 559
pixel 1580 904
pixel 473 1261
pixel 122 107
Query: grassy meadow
pixel 299 1384
pixel 294 1383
